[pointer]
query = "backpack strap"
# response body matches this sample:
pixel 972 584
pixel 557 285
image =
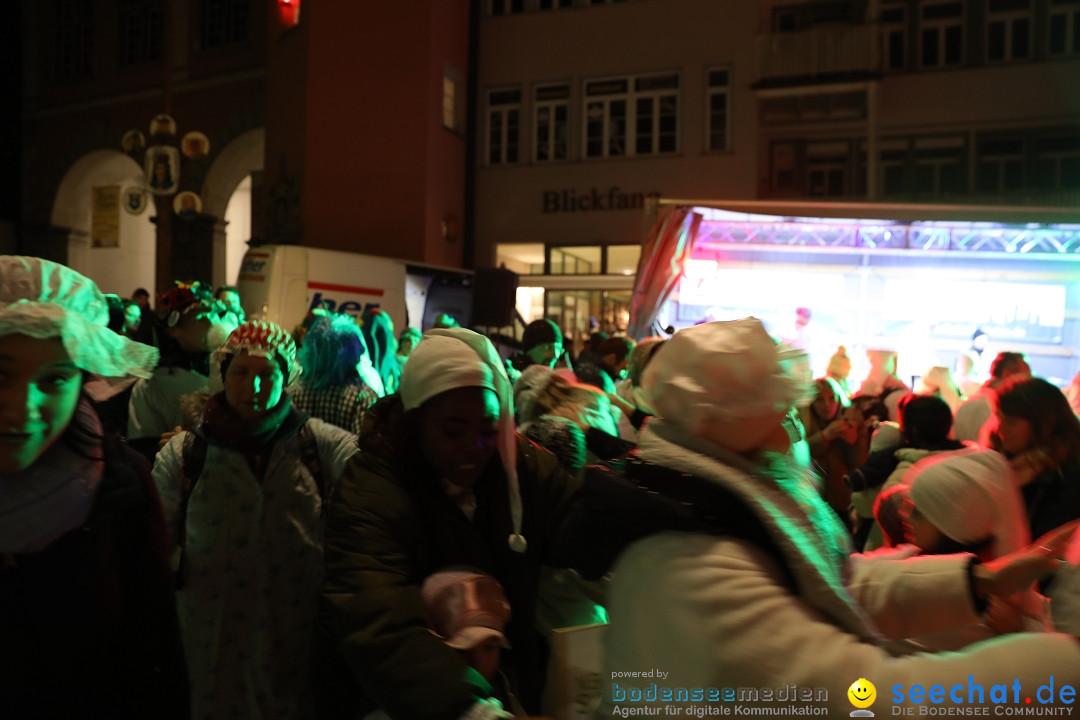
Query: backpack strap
pixel 309 455
pixel 192 460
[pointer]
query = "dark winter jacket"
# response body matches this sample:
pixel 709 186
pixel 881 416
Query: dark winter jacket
pixel 390 526
pixel 88 626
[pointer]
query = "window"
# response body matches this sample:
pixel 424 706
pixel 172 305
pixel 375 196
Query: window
pixel 1008 30
pixel 1001 164
pixel 553 4
pixel 894 37
pixel 142 29
pixel 584 260
pixel 507 7
pixel 826 169
pixel 74 39
pixel 718 104
pixel 631 116
pixel 551 122
pixel 938 164
pixel 224 24
pixel 453 104
pixel 1064 27
pixel 1057 162
pixel 504 126
pixel 941 34
pixel 924 166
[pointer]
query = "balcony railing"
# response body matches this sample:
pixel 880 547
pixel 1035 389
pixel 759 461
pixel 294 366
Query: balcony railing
pixel 818 53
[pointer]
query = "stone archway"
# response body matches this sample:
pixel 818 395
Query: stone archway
pixel 115 269
pixel 241 157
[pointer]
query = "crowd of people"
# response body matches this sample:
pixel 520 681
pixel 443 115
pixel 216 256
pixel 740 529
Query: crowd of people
pixel 209 516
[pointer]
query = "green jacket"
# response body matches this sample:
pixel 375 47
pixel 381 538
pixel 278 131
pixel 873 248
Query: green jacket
pixel 389 527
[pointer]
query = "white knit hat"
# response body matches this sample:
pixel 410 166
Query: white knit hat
pixel 726 378
pixel 43 299
pixel 450 358
pixel 970 496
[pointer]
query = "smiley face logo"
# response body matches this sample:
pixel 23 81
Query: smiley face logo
pixel 862 693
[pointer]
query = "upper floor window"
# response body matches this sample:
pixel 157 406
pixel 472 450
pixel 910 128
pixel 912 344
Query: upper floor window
pixel 941 34
pixel 551 122
pixel 894 37
pixel 74 39
pixel 504 126
pixel 224 24
pixel 719 109
pixel 506 7
pixel 632 116
pixel 1057 162
pixel 142 32
pixel 1064 27
pixel 1008 30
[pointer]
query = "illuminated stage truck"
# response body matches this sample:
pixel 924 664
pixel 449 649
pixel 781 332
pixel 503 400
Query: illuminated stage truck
pixel 282 283
pixel 915 279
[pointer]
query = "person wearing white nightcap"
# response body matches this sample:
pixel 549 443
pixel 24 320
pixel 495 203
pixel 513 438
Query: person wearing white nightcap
pixel 442 479
pixel 767 594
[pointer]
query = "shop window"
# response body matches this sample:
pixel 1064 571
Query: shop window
pixel 623 259
pixel 584 260
pixel 504 126
pixel 551 122
pixel 522 258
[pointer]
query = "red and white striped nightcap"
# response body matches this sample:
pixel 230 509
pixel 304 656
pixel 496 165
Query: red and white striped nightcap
pixel 264 339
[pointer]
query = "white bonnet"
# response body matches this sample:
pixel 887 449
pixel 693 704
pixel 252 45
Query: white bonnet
pixel 730 372
pixel 43 299
pixel 970 496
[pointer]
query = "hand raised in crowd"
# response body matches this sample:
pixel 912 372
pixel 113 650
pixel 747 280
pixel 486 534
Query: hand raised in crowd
pixel 1016 571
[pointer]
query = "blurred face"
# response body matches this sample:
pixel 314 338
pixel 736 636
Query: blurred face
pixel 228 298
pixel 917 529
pixel 39 391
pixel 827 404
pixel 458 433
pixel 199 331
pixel 485 657
pixel 546 353
pixel 253 385
pixel 1015 433
pixel 132 317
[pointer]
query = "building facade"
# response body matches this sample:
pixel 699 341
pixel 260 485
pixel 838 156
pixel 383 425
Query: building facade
pixel 589 109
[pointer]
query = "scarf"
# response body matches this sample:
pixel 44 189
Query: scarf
pixel 810 537
pixel 223 426
pixel 54 495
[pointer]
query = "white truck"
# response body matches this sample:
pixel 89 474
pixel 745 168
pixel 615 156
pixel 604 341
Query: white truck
pixel 282 283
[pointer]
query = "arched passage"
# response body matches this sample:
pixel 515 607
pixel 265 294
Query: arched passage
pixel 226 194
pixel 118 269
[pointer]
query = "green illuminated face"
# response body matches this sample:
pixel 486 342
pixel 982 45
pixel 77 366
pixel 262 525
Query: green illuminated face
pixel 39 390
